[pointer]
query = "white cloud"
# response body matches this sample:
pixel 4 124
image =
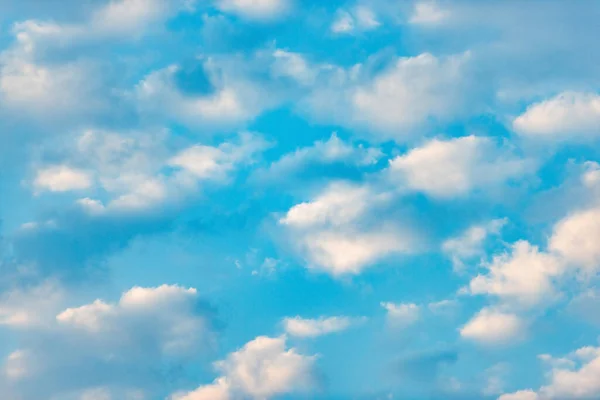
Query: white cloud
pixel 402 314
pixel 140 171
pixel 470 243
pixel 428 13
pixel 568 116
pixel 62 178
pixel 455 167
pixel 339 204
pixel 576 238
pixel 394 102
pixel 332 232
pixel 322 152
pixel 113 346
pixel 49 90
pixel 215 163
pixel 169 308
pixel 33 83
pixel 520 395
pixel 219 390
pixel 231 104
pixel 292 65
pixel 17 365
pixel 491 327
pixel 258 10
pixel 31 306
pixel 359 18
pixel 309 328
pixel 342 253
pixel 263 368
pixel 576 376
pixel 524 277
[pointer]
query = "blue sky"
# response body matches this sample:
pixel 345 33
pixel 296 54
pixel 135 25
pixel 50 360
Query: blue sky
pixel 287 199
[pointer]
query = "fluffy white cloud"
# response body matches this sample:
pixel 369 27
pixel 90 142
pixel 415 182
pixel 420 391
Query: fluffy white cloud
pixel 263 368
pixel 403 314
pixel 17 365
pixel 259 10
pixel 231 103
pixel 520 395
pixel 218 390
pixel 35 84
pixel 170 309
pixel 412 92
pixel 576 238
pixel 576 376
pixel 62 178
pixel 428 13
pixel 292 65
pixel 333 231
pixel 110 345
pixel 140 171
pixel 308 328
pixel 525 276
pixel 359 18
pixel 322 152
pixel 454 167
pixel 215 163
pixel 342 253
pixel 493 327
pixel 469 244
pixel 30 307
pixel 569 115
pixel 340 204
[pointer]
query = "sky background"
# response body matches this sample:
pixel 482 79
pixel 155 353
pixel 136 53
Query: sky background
pixel 288 199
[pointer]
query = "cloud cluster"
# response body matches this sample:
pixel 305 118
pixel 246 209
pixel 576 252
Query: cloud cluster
pixel 335 234
pixel 110 346
pixel 262 369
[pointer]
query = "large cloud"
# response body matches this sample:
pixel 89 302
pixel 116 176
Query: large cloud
pixel 575 376
pixel 455 167
pixel 393 103
pixel 335 233
pixel 493 327
pixel 568 116
pixel 112 345
pixel 262 369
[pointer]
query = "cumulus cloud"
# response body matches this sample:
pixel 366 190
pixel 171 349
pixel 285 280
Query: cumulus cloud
pixel 112 345
pixel 137 172
pixel 575 376
pixel 263 368
pixel 230 104
pixel 576 238
pixel 428 13
pixel 34 81
pixel 524 276
pixel 410 93
pixel 310 328
pixel 61 178
pixel 333 231
pixel 568 116
pixel 333 151
pixel 402 314
pixel 493 327
pixel 455 167
pixel 30 306
pixel 360 18
pixel 469 244
pixel 261 10
pixel 520 395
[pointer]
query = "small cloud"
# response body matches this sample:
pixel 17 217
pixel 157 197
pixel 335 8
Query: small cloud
pixel 492 327
pixel 401 314
pixel 310 328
